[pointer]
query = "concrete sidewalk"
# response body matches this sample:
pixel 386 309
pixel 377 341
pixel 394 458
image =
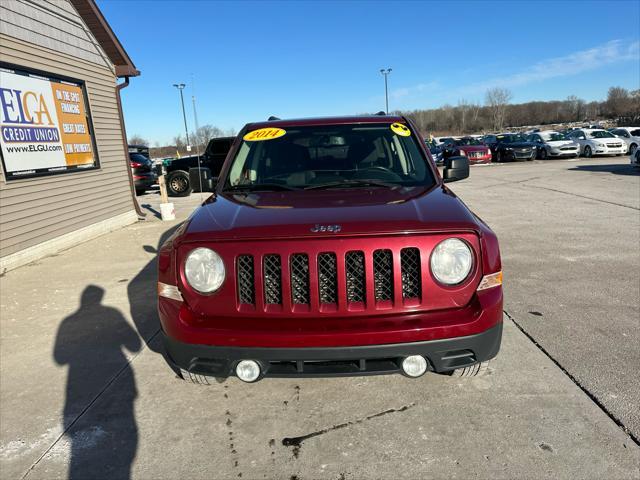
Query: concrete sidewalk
pixel 85 393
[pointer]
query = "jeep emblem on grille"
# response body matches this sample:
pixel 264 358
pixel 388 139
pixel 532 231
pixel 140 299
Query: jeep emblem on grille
pixel 326 228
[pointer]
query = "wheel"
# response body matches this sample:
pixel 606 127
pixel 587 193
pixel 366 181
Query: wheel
pixel 178 184
pixel 543 154
pixel 587 152
pixel 479 369
pixel 140 191
pixel 632 148
pixel 194 378
pixel 498 157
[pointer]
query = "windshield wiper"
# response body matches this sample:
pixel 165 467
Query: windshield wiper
pixel 352 183
pixel 256 187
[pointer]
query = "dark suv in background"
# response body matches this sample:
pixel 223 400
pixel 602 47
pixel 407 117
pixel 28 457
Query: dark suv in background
pixel 177 171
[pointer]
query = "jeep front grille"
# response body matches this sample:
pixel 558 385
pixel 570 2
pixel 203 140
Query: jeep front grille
pixel 330 279
pixel 300 278
pixel 356 284
pixel 383 274
pixel 246 290
pixel 272 280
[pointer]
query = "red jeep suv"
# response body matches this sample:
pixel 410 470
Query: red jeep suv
pixel 331 247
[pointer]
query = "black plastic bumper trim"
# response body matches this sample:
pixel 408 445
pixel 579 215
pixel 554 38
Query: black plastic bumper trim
pixel 443 355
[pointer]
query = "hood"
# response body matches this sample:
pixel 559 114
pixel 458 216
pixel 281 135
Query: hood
pixel 473 148
pixel 518 145
pixel 371 211
pixel 560 143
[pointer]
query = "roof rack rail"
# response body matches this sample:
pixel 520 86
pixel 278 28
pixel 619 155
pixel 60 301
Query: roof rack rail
pixel 381 113
pixel 272 118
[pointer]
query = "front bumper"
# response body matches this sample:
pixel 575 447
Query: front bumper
pixel 557 152
pixel 443 355
pixel 519 156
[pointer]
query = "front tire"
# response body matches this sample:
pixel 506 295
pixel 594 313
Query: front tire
pixel 632 148
pixel 543 154
pixel 194 377
pixel 479 369
pixel 588 153
pixel 178 184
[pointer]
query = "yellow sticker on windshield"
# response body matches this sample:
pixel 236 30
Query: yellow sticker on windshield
pixel 264 134
pixel 400 129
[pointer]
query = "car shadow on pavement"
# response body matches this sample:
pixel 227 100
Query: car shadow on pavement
pixel 142 295
pixel 90 343
pixel 615 168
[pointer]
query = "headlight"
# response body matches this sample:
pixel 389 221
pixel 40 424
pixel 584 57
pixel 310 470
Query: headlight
pixel 599 144
pixel 204 270
pixel 451 261
pixel 463 153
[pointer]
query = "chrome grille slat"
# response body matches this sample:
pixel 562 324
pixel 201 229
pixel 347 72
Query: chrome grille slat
pixel 411 275
pixel 245 279
pixel 272 280
pixel 299 266
pixel 383 274
pixel 328 278
pixel 355 272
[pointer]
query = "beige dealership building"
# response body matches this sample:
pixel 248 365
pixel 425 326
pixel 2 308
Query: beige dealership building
pixel 64 175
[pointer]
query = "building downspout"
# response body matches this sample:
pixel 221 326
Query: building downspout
pixel 132 187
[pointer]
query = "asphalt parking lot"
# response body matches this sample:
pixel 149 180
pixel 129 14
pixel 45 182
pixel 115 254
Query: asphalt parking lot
pixel 85 392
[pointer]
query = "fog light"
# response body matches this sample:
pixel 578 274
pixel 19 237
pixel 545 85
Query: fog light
pixel 414 365
pixel 248 370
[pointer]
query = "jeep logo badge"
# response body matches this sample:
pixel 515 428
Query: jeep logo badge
pixel 326 228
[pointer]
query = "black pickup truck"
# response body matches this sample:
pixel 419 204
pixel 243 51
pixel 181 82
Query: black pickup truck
pixel 177 180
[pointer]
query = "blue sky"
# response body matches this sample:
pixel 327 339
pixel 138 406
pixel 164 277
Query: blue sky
pixel 250 60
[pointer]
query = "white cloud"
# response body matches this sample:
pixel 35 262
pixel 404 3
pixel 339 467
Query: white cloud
pixel 595 58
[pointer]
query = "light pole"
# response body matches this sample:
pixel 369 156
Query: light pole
pixel 180 87
pixel 386 72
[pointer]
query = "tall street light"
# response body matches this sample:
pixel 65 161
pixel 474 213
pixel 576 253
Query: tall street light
pixel 386 72
pixel 180 87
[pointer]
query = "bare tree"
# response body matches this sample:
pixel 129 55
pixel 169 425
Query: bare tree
pixel 497 100
pixel 618 101
pixel 137 140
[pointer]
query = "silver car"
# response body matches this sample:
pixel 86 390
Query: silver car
pixel 630 135
pixel 554 144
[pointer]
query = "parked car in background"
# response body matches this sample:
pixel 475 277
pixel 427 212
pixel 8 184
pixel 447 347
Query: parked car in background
pixel 630 135
pixel 510 147
pixel 472 148
pixel 435 150
pixel 142 149
pixel 178 183
pixel 554 144
pixel 144 175
pixel 301 267
pixel 598 142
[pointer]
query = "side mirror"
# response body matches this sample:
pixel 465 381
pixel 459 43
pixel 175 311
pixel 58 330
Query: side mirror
pixel 201 176
pixel 455 168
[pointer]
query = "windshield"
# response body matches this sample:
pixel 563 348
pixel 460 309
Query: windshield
pixel 511 138
pixel 553 136
pixel 468 141
pixel 600 134
pixel 333 156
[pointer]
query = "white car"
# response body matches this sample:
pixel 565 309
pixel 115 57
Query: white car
pixel 554 144
pixel 630 135
pixel 598 142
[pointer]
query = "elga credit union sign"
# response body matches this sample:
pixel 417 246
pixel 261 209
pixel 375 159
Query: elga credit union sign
pixel 45 126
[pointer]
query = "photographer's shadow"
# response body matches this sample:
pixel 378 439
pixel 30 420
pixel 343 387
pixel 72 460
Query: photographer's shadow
pixel 90 343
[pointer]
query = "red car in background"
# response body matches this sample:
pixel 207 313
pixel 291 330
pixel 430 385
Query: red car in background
pixel 470 147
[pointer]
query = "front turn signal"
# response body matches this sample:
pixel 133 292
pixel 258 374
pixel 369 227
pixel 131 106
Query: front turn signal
pixel 490 281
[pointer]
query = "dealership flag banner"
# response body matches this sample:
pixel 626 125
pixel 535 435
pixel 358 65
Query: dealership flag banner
pixel 45 127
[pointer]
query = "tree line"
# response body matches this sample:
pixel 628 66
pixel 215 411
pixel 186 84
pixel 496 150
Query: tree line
pixel 497 113
pixel 198 140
